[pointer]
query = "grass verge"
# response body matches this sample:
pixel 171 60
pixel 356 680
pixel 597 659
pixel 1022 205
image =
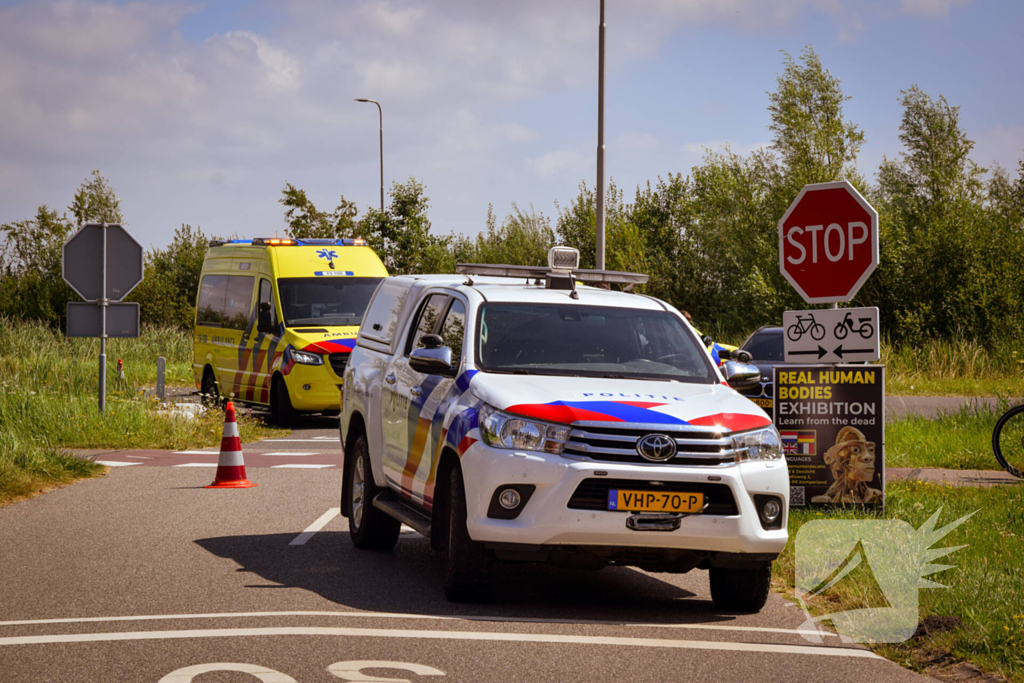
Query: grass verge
pixel 961 440
pixel 985 590
pixel 27 469
pixel 958 367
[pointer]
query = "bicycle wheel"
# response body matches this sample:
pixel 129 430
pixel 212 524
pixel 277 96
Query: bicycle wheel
pixel 817 331
pixel 1008 441
pixel 794 332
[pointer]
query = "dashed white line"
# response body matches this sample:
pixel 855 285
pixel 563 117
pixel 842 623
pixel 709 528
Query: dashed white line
pixel 316 526
pixel 115 463
pixel 283 453
pixel 196 464
pixel 196 452
pixel 299 466
pixel 813 650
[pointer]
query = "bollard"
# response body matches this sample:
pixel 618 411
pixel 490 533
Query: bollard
pixel 120 369
pixel 161 365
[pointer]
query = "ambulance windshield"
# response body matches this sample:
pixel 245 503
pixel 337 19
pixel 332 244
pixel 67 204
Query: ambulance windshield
pixel 325 301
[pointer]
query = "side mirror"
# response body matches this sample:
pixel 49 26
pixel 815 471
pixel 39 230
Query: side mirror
pixel 725 354
pixel 708 341
pixel 741 375
pixel 436 360
pixel 743 356
pixel 264 320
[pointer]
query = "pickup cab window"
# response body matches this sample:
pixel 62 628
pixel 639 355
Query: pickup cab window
pixel 453 329
pixel 426 320
pixel 589 341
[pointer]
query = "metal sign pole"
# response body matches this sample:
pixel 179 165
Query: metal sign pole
pixel 600 238
pixel 103 302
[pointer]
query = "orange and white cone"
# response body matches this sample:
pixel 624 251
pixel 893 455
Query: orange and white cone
pixel 230 465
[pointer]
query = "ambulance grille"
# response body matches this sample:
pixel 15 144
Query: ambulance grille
pixel 338 362
pixel 592 494
pixel 694 446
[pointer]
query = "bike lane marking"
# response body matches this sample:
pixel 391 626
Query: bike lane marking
pixel 316 526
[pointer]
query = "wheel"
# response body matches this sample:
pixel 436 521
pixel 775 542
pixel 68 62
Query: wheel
pixel 740 590
pixel 817 331
pixel 281 406
pixel 210 392
pixel 368 527
pixel 1008 441
pixel 794 332
pixel 840 332
pixel 866 330
pixel 469 566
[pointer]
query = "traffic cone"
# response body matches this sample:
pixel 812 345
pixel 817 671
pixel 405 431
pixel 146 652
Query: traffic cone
pixel 230 465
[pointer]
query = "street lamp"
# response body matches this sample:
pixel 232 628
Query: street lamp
pixel 381 115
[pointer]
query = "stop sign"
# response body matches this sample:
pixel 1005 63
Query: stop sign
pixel 828 242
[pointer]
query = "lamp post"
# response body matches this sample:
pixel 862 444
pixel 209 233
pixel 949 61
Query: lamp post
pixel 600 143
pixel 381 115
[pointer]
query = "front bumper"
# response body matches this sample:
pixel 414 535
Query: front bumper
pixel 546 518
pixel 324 388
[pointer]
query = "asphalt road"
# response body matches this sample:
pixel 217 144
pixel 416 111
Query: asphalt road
pixel 144 573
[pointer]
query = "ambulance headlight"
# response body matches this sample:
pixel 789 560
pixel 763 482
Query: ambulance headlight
pixel 307 358
pixel 503 430
pixel 761 444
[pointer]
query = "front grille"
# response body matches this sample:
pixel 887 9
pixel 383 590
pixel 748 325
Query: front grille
pixel 764 389
pixel 592 494
pixel 695 445
pixel 338 362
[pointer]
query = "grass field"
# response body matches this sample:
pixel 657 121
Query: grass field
pixel 48 403
pixel 959 441
pixel 985 589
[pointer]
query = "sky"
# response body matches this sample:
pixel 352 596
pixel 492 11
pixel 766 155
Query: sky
pixel 200 112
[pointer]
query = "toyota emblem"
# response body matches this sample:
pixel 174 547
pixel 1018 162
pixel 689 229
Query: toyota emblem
pixel 656 447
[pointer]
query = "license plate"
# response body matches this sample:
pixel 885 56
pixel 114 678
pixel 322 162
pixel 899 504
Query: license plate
pixel 655 501
pixel 763 402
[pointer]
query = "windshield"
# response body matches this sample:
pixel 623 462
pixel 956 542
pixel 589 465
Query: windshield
pixel 325 300
pixel 765 347
pixel 588 341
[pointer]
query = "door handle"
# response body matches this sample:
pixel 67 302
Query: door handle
pixel 415 391
pixel 390 379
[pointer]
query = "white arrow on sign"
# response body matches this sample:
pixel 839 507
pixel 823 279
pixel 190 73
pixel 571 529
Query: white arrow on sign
pixel 831 335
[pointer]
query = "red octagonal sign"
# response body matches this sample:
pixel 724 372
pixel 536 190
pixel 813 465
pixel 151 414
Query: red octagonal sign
pixel 828 242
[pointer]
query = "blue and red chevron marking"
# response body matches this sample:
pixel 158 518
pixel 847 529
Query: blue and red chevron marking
pixel 567 412
pixel 336 346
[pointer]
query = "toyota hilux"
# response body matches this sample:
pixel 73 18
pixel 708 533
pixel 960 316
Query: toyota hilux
pixel 515 413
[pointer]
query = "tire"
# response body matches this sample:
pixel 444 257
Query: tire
pixel 210 392
pixel 740 590
pixel 368 527
pixel 820 329
pixel 840 332
pixel 1008 441
pixel 282 408
pixel 469 566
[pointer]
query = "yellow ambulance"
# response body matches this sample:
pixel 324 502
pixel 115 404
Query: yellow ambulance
pixel 277 318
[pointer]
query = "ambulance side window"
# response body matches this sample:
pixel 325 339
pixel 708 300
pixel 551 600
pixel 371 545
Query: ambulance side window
pixel 238 301
pixel 210 305
pixel 267 297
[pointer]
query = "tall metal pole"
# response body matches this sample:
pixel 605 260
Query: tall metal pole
pixel 380 114
pixel 104 301
pixel 600 143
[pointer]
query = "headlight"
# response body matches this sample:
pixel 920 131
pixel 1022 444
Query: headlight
pixel 307 358
pixel 502 430
pixel 763 444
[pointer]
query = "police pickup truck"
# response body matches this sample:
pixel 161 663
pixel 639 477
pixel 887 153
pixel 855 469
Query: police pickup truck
pixel 515 414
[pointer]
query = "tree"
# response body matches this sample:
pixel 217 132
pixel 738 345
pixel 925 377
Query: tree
pixel 167 295
pixel 815 143
pixel 306 221
pixel 96 202
pixel 401 235
pixel 30 284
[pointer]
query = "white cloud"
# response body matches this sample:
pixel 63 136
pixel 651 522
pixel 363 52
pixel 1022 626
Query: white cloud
pixel 560 162
pixel 930 8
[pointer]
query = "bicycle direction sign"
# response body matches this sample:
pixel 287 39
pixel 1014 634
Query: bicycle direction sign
pixel 831 335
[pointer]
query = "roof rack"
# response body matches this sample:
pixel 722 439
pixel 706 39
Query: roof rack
pixel 562 272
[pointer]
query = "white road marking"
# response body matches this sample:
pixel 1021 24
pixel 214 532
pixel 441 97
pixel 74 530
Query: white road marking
pixel 115 463
pixel 286 453
pixel 316 526
pixel 399 615
pixel 299 466
pixel 265 675
pixel 196 464
pixel 815 650
pixel 196 452
pixel 317 440
pixel 138 457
